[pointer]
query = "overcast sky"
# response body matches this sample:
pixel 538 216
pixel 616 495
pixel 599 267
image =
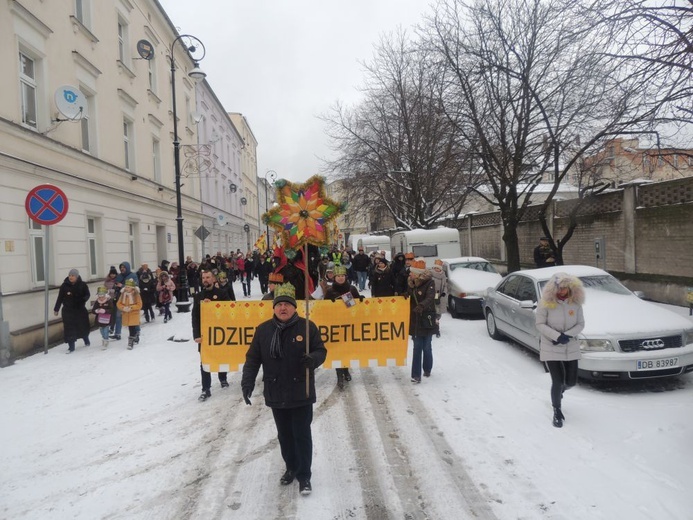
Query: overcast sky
pixel 281 63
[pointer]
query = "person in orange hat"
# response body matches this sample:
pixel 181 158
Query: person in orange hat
pixel 274 280
pixel 422 318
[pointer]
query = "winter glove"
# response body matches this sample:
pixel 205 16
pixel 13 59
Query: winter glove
pixel 100 311
pixel 126 308
pixel 418 309
pixel 361 297
pixel 308 361
pixel 247 392
pixel 563 339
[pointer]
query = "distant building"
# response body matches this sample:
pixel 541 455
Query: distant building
pixel 622 160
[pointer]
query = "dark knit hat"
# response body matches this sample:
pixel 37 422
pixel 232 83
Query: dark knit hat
pixel 284 293
pixel 112 270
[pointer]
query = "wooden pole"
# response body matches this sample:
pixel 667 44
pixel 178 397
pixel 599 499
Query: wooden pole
pixel 307 297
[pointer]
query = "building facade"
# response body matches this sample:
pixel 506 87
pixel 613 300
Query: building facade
pixel 113 158
pixel 249 193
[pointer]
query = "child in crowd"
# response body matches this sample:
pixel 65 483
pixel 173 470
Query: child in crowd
pixel 130 304
pixel 165 288
pixel 104 310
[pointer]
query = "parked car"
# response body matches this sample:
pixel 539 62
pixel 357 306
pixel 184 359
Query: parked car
pixel 468 279
pixel 624 337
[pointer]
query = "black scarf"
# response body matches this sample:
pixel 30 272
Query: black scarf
pixel 276 344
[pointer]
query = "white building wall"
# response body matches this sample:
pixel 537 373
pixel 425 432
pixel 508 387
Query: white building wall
pixel 97 183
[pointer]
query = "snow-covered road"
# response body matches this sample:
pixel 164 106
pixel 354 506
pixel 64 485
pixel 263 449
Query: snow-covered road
pixel 120 434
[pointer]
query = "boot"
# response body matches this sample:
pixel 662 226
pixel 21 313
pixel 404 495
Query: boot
pixel 104 344
pixel 131 342
pixel 558 417
pixel 340 379
pixel 347 375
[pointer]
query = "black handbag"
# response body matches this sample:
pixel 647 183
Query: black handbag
pixel 427 320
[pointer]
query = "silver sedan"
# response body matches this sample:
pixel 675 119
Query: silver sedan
pixel 625 337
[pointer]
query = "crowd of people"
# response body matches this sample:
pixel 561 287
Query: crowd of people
pixel 127 296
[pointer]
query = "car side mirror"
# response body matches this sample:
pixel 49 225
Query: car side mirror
pixel 527 304
pixel 639 294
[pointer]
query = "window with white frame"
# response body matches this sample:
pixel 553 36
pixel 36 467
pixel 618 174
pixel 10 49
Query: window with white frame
pixel 87 124
pixel 123 41
pixel 128 144
pixel 28 86
pixel 83 12
pixel 36 244
pixel 151 71
pixel 132 241
pixel 93 245
pixel 156 159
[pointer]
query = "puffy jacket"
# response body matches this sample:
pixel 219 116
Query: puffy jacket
pixel 553 319
pixel 285 377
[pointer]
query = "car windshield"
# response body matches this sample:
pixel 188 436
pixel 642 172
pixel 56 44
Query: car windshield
pixel 606 283
pixel 479 266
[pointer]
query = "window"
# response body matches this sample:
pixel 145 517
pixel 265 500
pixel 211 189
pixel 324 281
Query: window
pixel 27 82
pixel 87 124
pixel 92 244
pixel 132 242
pixel 123 41
pixel 151 70
pixel 83 12
pixel 156 159
pixel 38 274
pixel 127 145
pixel 429 250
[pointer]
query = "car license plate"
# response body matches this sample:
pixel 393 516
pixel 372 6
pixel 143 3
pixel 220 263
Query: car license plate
pixel 657 364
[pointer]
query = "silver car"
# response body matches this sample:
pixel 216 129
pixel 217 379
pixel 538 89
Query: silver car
pixel 468 278
pixel 624 337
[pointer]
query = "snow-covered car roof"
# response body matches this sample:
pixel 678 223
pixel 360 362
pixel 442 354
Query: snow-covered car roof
pixel 472 280
pixel 545 273
pixel 462 259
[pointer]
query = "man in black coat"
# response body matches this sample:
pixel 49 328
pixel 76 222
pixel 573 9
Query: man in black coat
pixel 543 254
pixel 360 264
pixel 73 297
pixel 279 346
pixel 209 293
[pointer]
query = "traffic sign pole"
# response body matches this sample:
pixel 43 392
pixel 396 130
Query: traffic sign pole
pixel 46 245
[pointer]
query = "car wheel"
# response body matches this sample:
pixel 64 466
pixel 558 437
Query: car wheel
pixel 451 307
pixel 491 325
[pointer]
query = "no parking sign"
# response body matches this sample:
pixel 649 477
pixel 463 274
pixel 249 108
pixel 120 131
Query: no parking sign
pixel 46 204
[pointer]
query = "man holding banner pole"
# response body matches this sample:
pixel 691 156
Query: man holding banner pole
pixel 280 347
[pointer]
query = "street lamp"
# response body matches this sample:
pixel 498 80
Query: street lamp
pixel 191 44
pixel 272 175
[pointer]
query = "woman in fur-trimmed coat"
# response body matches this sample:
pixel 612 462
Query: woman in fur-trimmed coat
pixel 559 320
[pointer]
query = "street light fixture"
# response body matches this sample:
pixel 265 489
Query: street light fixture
pixel 272 175
pixel 192 45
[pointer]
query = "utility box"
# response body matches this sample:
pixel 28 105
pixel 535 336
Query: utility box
pixel 600 253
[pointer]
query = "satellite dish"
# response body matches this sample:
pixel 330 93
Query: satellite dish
pixel 220 219
pixel 71 102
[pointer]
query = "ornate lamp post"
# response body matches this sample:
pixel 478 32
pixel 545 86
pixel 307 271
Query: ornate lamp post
pixel 192 45
pixel 272 176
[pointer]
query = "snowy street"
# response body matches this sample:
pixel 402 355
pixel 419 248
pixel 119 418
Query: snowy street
pixel 120 434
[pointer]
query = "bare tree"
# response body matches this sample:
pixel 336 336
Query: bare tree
pixel 398 151
pixel 531 87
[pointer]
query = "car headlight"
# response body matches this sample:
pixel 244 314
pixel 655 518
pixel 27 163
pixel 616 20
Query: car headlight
pixel 596 345
pixel 688 336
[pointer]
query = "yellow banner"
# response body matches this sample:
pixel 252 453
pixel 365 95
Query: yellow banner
pixel 374 332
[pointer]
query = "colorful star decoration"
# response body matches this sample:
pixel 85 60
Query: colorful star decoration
pixel 302 213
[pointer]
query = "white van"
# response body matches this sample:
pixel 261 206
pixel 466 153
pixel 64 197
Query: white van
pixel 430 244
pixel 354 239
pixel 372 243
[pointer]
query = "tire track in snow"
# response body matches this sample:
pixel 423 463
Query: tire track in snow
pixel 407 480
